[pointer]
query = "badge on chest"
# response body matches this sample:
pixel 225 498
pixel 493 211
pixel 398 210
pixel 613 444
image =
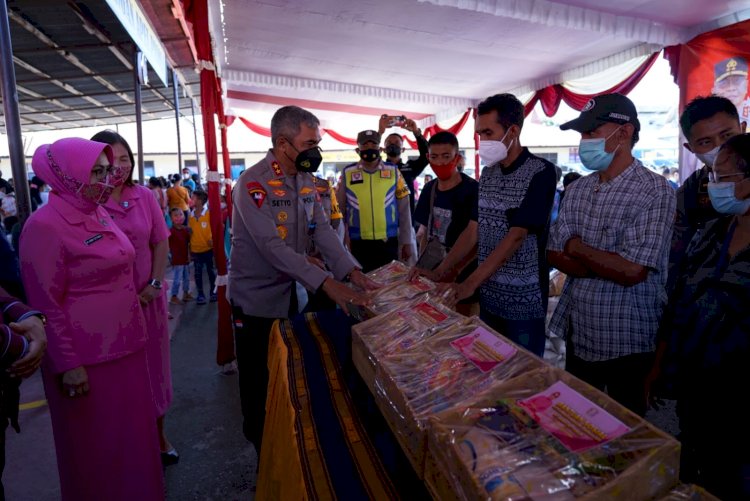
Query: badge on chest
pixel 357 177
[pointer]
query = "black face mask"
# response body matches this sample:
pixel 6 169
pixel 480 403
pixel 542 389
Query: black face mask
pixel 393 150
pixel 307 160
pixel 369 155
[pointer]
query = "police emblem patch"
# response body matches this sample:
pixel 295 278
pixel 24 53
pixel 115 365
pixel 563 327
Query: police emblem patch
pixel 282 217
pixel 276 169
pixel 257 193
pixel 282 231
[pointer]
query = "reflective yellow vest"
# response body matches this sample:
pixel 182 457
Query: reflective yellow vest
pixel 372 201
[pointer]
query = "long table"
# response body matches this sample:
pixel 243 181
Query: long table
pixel 324 436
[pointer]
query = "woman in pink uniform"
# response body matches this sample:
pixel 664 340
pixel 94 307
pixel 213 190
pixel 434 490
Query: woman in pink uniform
pixel 77 268
pixel 137 213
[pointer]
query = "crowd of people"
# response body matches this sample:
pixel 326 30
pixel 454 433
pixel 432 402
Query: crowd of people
pixel 652 306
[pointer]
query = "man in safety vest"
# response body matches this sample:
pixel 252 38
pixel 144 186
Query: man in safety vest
pixel 375 202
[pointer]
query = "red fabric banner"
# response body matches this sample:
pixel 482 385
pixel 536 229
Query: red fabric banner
pixel 341 139
pixel 715 62
pixel 551 96
pixel 428 132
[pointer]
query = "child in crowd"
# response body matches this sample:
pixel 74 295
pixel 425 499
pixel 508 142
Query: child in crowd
pixel 179 247
pixel 201 245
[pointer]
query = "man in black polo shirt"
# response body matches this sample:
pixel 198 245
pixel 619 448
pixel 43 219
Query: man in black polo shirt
pixel 394 147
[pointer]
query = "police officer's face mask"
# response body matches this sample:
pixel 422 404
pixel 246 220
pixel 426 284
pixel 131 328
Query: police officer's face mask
pixel 369 155
pixel 307 160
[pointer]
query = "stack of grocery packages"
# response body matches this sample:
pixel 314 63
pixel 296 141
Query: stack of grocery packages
pixel 482 418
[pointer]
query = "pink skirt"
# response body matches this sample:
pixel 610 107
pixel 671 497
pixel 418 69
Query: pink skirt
pixel 158 352
pixel 106 441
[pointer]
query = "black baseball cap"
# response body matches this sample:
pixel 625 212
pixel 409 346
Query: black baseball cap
pixel 368 135
pixel 607 108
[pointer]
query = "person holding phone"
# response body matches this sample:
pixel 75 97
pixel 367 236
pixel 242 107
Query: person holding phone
pixel 394 148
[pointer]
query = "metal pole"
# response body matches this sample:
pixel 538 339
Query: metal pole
pixel 12 118
pixel 137 68
pixel 195 134
pixel 175 85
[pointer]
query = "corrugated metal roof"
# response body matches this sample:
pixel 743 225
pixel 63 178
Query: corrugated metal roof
pixel 73 63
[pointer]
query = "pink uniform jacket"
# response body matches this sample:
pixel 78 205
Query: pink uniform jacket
pixel 77 268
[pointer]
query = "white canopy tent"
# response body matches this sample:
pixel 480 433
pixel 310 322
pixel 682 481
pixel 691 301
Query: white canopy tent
pixel 432 59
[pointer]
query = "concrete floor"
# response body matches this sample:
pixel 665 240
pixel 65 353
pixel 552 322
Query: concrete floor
pixel 204 425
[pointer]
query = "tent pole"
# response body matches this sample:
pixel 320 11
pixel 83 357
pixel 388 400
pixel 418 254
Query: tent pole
pixel 175 85
pixel 12 118
pixel 137 67
pixel 195 135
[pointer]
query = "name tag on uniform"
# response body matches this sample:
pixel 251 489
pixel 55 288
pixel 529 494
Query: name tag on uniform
pixel 93 239
pixel 385 174
pixel 357 177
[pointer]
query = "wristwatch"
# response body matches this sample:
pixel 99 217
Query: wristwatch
pixel 155 284
pixel 41 317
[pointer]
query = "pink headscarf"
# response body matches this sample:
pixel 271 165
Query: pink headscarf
pixel 66 166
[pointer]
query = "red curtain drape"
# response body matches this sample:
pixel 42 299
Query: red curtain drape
pixel 197 14
pixel 551 96
pixel 428 132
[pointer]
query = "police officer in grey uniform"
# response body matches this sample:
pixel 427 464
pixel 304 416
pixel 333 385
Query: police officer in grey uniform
pixel 277 220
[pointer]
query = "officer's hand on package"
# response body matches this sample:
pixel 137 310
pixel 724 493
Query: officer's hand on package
pixel 363 281
pixel 343 295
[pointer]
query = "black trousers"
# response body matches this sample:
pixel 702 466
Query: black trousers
pixel 623 378
pixel 372 254
pixel 251 336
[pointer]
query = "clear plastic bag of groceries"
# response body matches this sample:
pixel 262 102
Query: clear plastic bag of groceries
pixel 393 272
pixel 397 330
pixel 548 435
pixel 395 297
pixel 439 372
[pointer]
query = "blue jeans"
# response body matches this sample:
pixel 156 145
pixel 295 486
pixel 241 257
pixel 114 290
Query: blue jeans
pixel 531 334
pixel 180 274
pixel 201 259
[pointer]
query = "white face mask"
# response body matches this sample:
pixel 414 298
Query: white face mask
pixel 493 152
pixel 709 157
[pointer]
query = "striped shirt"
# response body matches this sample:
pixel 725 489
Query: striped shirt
pixel 631 215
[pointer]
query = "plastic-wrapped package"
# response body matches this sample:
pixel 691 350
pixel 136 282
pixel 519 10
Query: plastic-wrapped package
pixel 393 272
pixel 689 493
pixel 393 297
pixel 556 282
pixel 440 372
pixel 396 331
pixel 547 435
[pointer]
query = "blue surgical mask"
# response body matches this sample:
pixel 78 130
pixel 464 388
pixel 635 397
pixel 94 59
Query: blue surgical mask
pixel 724 201
pixel 593 154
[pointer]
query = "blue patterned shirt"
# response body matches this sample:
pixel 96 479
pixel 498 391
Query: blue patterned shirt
pixel 631 215
pixel 519 195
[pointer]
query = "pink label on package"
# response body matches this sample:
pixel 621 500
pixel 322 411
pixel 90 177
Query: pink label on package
pixel 573 419
pixel 484 349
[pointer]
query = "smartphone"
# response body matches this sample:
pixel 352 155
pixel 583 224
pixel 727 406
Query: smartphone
pixel 395 120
